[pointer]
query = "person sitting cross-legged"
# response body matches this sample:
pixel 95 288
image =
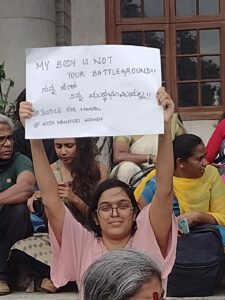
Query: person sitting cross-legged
pixel 16 186
pixel 114 219
pixel 77 172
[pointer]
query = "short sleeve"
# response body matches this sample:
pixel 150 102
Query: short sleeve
pixel 66 258
pixel 23 163
pixel 124 138
pixel 145 240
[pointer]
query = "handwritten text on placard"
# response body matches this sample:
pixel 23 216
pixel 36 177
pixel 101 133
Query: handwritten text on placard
pixel 93 91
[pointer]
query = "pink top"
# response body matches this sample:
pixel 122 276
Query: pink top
pixel 215 141
pixel 80 248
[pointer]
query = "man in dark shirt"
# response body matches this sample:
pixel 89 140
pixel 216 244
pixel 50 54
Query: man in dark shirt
pixel 16 186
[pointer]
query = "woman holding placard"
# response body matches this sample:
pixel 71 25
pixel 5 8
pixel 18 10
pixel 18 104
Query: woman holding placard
pixel 77 173
pixel 114 216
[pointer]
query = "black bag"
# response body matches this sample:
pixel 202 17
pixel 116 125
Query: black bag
pixel 200 263
pixel 137 177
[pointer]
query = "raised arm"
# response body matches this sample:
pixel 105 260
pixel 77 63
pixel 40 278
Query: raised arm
pixel 161 209
pixel 46 181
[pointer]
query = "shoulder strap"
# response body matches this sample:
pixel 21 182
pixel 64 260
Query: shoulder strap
pixel 139 189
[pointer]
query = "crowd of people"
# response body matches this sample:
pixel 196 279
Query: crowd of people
pixel 97 230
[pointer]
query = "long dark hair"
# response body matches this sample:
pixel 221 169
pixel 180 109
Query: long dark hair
pixel 20 98
pixel 101 188
pixel 85 173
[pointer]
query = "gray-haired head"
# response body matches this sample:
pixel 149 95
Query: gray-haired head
pixel 118 275
pixel 6 120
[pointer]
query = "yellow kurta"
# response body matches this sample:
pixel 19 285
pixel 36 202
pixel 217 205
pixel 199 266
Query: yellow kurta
pixel 205 194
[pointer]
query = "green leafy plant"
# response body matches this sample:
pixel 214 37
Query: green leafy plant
pixel 6 108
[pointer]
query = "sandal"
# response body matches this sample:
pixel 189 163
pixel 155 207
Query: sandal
pixel 48 286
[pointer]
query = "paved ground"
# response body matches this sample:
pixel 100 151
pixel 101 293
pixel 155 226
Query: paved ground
pixel 220 295
pixel 72 296
pixel 39 296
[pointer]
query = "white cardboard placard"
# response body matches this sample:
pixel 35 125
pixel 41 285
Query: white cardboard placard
pixel 82 91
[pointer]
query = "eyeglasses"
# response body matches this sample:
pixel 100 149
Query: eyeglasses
pixel 4 138
pixel 123 210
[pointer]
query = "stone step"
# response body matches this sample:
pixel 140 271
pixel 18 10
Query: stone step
pixel 219 295
pixel 72 296
pixel 41 296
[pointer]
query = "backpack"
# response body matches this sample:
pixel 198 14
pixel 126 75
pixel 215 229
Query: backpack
pixel 200 263
pixel 140 176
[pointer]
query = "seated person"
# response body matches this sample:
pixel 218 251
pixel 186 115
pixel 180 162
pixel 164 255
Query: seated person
pixel 77 172
pixel 215 149
pixel 21 144
pixel 113 213
pixel 197 186
pixel 135 153
pixel 17 185
pixel 123 274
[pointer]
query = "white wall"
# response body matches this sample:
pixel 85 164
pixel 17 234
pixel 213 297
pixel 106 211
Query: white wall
pixel 203 129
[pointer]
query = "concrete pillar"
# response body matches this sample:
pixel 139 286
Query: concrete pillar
pixel 88 22
pixel 63 22
pixel 24 24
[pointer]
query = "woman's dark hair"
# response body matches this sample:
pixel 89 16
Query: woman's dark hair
pixel 20 98
pixel 184 146
pixel 100 189
pixel 85 173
